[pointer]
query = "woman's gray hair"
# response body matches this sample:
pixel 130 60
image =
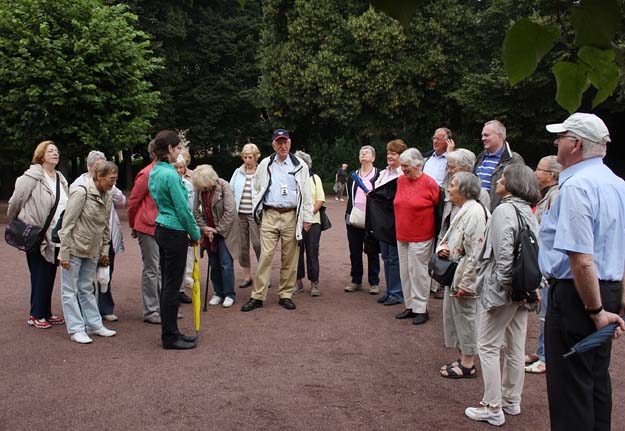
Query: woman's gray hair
pixel 465 159
pixel 151 150
pixel 468 185
pixel 94 156
pixel 521 182
pixel 413 157
pixel 305 157
pixel 367 147
pixel 552 165
pixel 103 169
pixel 204 177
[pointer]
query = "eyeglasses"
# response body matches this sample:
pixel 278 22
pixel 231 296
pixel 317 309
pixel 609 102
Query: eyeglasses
pixel 555 141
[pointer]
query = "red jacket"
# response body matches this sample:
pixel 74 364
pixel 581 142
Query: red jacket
pixel 142 209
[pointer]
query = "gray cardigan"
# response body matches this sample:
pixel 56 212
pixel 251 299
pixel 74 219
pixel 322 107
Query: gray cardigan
pixel 494 270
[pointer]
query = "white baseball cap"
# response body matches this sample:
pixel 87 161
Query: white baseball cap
pixel 586 126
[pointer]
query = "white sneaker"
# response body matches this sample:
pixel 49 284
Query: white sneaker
pixel 215 300
pixel 188 282
pixel 512 409
pixel 81 337
pixel 484 413
pixel 104 332
pixel 228 302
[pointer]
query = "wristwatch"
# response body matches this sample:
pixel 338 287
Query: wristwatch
pixel 591 311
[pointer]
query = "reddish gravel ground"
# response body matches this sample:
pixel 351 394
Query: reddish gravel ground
pixel 338 362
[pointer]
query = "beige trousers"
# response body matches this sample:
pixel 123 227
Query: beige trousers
pixel 276 227
pixel 413 272
pixel 502 328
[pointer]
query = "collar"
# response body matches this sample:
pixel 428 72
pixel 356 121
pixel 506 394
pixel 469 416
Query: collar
pixel 442 156
pixel 577 167
pixel 498 152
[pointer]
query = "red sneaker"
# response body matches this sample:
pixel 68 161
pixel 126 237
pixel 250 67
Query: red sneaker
pixel 55 320
pixel 39 323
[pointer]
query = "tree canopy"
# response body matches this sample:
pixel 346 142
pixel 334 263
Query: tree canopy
pixel 76 72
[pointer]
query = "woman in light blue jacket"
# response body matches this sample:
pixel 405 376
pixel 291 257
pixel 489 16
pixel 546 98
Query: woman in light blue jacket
pixel 242 184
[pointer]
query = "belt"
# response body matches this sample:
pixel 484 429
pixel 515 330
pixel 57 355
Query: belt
pixel 278 209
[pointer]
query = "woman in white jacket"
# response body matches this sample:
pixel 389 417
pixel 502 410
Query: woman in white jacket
pixel 242 185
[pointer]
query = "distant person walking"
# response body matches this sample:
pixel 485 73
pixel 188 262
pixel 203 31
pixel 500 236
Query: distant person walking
pixel 340 179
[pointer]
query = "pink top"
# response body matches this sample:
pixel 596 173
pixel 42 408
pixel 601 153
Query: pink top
pixel 360 198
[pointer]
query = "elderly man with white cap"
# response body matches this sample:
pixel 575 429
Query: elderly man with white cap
pixel 583 257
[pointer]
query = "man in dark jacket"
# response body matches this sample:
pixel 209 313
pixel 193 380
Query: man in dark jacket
pixel 495 157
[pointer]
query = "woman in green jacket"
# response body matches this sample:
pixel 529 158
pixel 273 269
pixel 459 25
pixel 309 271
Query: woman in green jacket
pixel 175 224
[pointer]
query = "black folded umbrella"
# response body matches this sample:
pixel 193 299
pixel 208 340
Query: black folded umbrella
pixel 595 339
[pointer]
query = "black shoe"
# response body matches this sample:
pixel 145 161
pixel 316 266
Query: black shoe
pixel 392 301
pixel 287 303
pixel 406 314
pixel 188 338
pixel 180 344
pixel 184 298
pixel 245 283
pixel 252 304
pixel 421 318
pixel 382 299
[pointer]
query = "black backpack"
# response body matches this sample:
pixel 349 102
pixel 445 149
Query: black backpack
pixel 526 275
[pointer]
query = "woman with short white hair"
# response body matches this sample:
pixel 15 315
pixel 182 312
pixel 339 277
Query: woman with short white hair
pixel 242 184
pixel 215 211
pixel 417 195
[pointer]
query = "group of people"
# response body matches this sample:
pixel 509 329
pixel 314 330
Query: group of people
pixel 448 203
pixel 470 210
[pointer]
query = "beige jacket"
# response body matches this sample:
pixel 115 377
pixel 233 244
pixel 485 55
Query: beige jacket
pixel 224 210
pixel 32 201
pixel 85 232
pixel 465 239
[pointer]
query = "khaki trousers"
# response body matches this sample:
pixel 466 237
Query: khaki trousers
pixel 502 328
pixel 249 234
pixel 413 271
pixel 276 227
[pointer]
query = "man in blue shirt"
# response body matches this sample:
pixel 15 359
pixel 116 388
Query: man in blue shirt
pixel 496 156
pixel 583 256
pixel 436 161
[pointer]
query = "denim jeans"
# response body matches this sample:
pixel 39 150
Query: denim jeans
pixel 222 269
pixel 106 305
pixel 79 304
pixel 172 245
pixel 540 342
pixel 356 240
pixel 390 257
pixel 42 275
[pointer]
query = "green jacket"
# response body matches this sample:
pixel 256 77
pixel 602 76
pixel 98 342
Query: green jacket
pixel 171 195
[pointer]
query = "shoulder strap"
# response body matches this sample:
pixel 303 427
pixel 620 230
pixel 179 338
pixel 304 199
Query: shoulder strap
pixel 46 225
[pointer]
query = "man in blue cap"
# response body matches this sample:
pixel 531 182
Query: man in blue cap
pixel 582 255
pixel 283 202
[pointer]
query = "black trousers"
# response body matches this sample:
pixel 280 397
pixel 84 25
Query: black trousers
pixel 172 246
pixel 310 246
pixel 356 240
pixel 42 276
pixel 578 387
pixel 106 305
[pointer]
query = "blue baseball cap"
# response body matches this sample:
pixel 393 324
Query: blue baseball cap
pixel 280 133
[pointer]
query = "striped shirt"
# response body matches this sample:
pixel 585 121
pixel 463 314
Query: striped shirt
pixel 245 205
pixel 485 170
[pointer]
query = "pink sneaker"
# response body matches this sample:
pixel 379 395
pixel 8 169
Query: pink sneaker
pixel 55 320
pixel 39 323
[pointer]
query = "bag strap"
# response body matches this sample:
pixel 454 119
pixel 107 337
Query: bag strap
pixel 46 225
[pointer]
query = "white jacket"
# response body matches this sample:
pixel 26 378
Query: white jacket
pixel 304 195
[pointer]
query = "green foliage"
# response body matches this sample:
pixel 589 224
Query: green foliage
pixel 401 10
pixel 524 46
pixel 596 22
pixel 73 71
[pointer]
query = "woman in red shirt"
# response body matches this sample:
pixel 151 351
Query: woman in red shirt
pixel 417 195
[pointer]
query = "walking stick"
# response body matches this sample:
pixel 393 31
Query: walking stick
pixel 208 272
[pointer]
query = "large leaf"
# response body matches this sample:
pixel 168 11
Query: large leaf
pixel 401 10
pixel 603 74
pixel 572 81
pixel 525 44
pixel 595 22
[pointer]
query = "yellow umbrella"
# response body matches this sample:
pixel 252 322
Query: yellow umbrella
pixel 195 293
